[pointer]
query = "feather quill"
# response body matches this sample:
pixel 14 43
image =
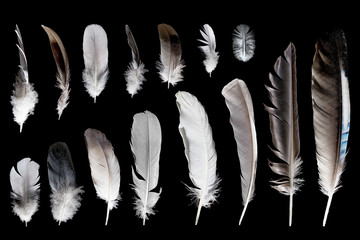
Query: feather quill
pixel 331 111
pixel 134 75
pixel 95 52
pixel 284 125
pixel 24 96
pixel 243 43
pixel 239 103
pixel 65 196
pixel 25 187
pixel 170 65
pixel 63 70
pixel 105 169
pixel 200 152
pixel 146 146
pixel 211 56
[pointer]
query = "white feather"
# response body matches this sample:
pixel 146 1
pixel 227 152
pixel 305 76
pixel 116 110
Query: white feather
pixel 95 52
pixel 211 56
pixel 24 96
pixel 146 146
pixel 200 150
pixel 25 188
pixel 105 169
pixel 239 103
pixel 243 43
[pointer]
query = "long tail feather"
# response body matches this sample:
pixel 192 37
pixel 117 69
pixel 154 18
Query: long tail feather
pixel 200 150
pixel 63 70
pixel 105 169
pixel 95 49
pixel 24 96
pixel 146 146
pixel 284 125
pixel 25 189
pixel 239 103
pixel 331 107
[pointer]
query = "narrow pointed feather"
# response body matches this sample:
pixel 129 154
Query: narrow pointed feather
pixel 105 168
pixel 63 70
pixel 331 110
pixel 24 96
pixel 134 75
pixel 200 150
pixel 25 189
pixel 66 195
pixel 95 52
pixel 284 125
pixel 243 43
pixel 239 103
pixel 146 146
pixel 170 65
pixel 211 56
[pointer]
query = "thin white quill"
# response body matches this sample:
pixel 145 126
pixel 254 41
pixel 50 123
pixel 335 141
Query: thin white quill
pixel 239 103
pixel 105 169
pixel 24 96
pixel 211 56
pixel 243 43
pixel 200 150
pixel 146 146
pixel 95 49
pixel 25 189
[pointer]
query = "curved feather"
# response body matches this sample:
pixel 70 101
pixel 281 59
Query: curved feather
pixel 170 65
pixel 331 107
pixel 65 196
pixel 25 188
pixel 95 49
pixel 200 150
pixel 146 146
pixel 134 75
pixel 105 169
pixel 238 100
pixel 284 125
pixel 211 56
pixel 243 43
pixel 24 96
pixel 63 70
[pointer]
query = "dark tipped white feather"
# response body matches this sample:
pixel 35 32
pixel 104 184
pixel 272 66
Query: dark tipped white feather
pixel 134 75
pixel 200 150
pixel 25 189
pixel 95 52
pixel 211 56
pixel 65 194
pixel 24 96
pixel 146 147
pixel 243 43
pixel 63 70
pixel 239 103
pixel 105 168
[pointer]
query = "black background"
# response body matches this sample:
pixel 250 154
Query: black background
pixel 113 112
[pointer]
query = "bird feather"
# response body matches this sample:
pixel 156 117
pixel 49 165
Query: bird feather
pixel 24 96
pixel 146 147
pixel 284 125
pixel 65 197
pixel 211 56
pixel 331 110
pixel 243 43
pixel 63 70
pixel 134 75
pixel 105 169
pixel 25 187
pixel 200 152
pixel 95 53
pixel 170 65
pixel 239 103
